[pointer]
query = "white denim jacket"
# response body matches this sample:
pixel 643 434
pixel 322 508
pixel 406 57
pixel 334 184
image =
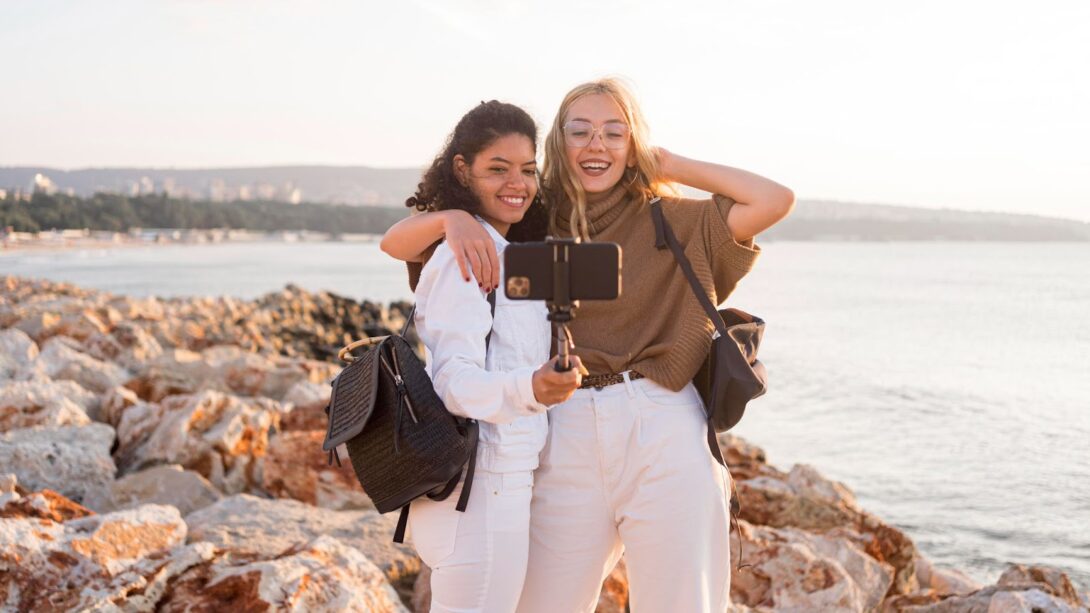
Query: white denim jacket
pixel 453 318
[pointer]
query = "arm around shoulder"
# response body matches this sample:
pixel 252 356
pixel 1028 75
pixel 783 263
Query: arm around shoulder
pixel 409 239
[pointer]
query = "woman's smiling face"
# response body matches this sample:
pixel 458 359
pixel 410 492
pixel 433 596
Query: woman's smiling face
pixel 503 177
pixel 598 166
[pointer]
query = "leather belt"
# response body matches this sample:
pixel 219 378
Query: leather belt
pixel 600 381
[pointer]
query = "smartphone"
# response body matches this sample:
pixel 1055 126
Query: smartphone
pixel 594 272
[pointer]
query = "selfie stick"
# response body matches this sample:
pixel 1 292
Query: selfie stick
pixel 561 306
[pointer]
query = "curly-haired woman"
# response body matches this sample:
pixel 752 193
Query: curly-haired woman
pixel 492 368
pixel 627 468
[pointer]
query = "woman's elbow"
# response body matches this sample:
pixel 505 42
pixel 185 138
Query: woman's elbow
pixel 387 246
pixel 784 202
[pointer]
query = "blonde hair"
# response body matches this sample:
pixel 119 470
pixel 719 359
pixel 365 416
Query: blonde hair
pixel 643 182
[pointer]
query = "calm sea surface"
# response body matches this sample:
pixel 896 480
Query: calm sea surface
pixel 948 384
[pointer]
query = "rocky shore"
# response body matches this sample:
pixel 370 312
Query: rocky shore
pixel 166 455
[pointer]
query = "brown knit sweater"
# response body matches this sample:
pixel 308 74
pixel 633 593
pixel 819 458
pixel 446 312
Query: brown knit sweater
pixel 657 327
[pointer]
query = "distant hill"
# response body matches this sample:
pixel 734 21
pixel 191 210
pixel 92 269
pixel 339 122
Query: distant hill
pixel 361 185
pixel 356 185
pixel 830 220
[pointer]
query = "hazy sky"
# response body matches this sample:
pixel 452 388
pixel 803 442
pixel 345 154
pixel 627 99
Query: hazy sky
pixel 968 104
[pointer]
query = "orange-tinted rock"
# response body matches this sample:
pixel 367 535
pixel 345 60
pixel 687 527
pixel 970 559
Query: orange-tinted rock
pixel 218 435
pixel 807 500
pixel 788 569
pixel 45 504
pixel 306 417
pixel 67 566
pixel 614 595
pixel 1051 580
pixel 295 467
pixel 267 527
pixel 321 575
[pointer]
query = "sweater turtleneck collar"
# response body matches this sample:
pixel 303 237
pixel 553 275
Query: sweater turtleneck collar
pixel 602 209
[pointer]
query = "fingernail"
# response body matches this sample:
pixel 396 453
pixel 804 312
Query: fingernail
pixel 478 285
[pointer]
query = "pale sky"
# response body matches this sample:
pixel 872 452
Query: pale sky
pixel 965 104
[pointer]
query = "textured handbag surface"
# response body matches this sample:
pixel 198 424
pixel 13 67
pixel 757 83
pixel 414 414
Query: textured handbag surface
pixel 399 449
pixel 732 375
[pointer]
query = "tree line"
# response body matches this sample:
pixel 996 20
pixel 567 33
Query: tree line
pixel 119 213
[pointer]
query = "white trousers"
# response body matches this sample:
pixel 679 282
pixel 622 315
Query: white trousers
pixel 627 469
pixel 478 558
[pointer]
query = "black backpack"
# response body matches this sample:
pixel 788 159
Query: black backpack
pixel 402 441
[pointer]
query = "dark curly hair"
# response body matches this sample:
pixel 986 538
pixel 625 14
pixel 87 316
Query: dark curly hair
pixel 440 190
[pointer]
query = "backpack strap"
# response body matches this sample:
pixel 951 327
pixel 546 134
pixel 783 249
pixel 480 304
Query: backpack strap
pixel 472 431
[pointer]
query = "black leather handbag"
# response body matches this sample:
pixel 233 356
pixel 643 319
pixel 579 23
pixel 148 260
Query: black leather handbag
pixel 731 375
pixel 401 440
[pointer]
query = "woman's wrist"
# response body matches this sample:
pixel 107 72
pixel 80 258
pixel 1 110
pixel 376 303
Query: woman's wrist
pixel 448 217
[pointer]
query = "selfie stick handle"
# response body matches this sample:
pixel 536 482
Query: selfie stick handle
pixel 562 303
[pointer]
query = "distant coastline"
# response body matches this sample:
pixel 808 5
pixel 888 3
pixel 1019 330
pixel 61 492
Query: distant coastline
pixel 362 199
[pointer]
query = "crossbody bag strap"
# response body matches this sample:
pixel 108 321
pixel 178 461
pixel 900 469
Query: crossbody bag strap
pixel 664 237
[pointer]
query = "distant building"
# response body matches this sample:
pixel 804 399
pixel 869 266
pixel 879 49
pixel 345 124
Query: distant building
pixel 43 184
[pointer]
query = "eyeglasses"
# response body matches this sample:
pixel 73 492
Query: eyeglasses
pixel 578 133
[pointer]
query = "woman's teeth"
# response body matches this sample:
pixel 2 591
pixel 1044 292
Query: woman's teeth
pixel 513 200
pixel 595 168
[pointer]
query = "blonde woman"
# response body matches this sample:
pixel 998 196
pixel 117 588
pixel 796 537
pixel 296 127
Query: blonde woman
pixel 627 468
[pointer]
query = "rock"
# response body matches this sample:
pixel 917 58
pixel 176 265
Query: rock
pixel 128 344
pixel 805 499
pixel 9 488
pixel 218 435
pixel 1050 580
pixel 58 360
pixel 72 460
pixel 800 500
pixel 229 369
pixel 614 595
pixel 45 504
pixel 61 566
pixel 421 597
pixel 308 393
pixel 997 599
pixel 789 569
pixel 143 586
pixel 323 574
pixel 172 485
pixel 267 527
pixel 296 467
pixel 25 404
pixel 114 404
pixel 306 417
pixel 17 351
pixel 947 582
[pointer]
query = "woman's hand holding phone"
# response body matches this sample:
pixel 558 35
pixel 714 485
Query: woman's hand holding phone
pixel 552 387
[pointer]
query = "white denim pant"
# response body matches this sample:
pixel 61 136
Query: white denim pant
pixel 627 469
pixel 478 558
